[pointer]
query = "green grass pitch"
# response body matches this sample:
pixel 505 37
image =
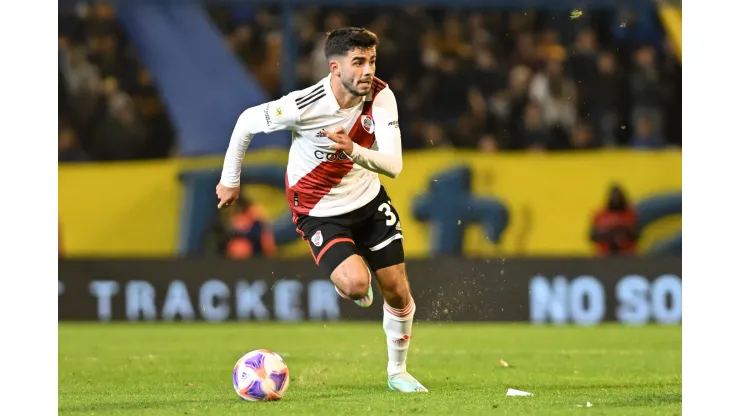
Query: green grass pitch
pixel 339 369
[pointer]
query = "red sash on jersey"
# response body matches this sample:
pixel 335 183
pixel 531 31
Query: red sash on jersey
pixel 309 190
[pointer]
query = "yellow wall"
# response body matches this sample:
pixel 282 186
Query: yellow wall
pixel 551 197
pixel 119 209
pixel 132 209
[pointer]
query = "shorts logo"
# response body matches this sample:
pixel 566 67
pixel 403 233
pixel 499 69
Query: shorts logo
pixel 317 239
pixel 367 123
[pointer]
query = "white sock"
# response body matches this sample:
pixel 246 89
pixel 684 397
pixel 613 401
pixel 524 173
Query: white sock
pixel 397 326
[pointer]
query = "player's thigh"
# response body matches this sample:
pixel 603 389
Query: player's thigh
pixel 332 247
pixel 379 236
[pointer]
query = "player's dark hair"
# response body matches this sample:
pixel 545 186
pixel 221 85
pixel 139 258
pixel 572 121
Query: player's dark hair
pixel 341 41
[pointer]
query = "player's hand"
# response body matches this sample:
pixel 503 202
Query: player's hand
pixel 226 195
pixel 341 139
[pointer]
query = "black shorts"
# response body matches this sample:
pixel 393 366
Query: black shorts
pixel 372 231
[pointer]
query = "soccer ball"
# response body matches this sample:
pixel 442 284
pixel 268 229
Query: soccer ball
pixel 261 375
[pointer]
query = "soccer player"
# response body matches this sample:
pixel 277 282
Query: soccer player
pixel 345 133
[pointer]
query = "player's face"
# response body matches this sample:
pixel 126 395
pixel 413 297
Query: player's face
pixel 357 71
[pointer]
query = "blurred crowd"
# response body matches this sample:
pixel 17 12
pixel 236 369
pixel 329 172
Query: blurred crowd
pixel 109 108
pixel 488 80
pixel 495 80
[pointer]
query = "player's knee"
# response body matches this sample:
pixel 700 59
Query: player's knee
pixel 398 291
pixel 358 286
pixel 354 286
pixel 394 284
pixel 352 278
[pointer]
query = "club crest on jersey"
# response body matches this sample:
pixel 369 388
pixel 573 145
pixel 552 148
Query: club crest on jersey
pixel 367 123
pixel 317 239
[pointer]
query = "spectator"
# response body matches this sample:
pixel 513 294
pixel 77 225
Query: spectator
pixel 121 135
pixel 582 137
pixel 534 132
pixel 508 105
pixel 646 88
pixel 556 94
pixel 153 116
pixel 646 136
pixel 603 99
pixel 244 232
pixel 82 82
pixel 69 146
pixel 614 228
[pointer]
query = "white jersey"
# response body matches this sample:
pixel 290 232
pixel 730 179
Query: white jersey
pixel 322 182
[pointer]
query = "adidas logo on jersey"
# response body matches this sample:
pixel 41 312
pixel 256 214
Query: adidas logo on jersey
pixel 320 134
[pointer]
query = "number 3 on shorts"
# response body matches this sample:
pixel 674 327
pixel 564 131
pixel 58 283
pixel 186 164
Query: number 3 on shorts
pixel 386 208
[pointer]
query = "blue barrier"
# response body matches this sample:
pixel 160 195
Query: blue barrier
pixel 656 208
pixel 203 84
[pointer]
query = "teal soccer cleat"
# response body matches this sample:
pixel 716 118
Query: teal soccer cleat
pixel 405 383
pixel 367 300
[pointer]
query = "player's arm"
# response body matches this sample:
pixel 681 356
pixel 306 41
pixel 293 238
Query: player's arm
pixel 387 160
pixel 281 114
